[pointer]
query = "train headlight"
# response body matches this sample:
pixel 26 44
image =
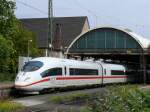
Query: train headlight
pixel 27 78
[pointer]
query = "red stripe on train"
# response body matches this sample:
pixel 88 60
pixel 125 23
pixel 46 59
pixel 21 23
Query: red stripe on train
pixel 44 80
pixel 72 78
pixel 96 77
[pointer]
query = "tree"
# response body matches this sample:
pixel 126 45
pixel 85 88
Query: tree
pixel 6 50
pixel 20 39
pixel 7 17
pixel 13 38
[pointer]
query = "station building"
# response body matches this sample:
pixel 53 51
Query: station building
pixel 74 38
pixel 65 30
pixel 117 44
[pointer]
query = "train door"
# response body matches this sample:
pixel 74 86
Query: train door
pixel 101 73
pixel 106 75
pixel 63 77
pixel 60 79
pixel 68 78
pixel 64 81
pixel 52 74
pixel 55 76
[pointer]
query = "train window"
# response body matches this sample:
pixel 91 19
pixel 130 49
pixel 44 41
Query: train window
pixel 52 72
pixel 75 71
pixel 65 70
pixel 32 66
pixel 117 72
pixel 105 71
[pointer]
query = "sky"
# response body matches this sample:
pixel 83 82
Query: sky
pixel 130 14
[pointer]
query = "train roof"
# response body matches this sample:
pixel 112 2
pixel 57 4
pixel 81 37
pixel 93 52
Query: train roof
pixel 46 59
pixel 71 61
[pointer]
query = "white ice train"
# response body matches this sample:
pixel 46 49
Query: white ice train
pixel 46 72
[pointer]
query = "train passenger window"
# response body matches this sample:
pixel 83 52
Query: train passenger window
pixel 105 71
pixel 65 70
pixel 52 72
pixel 32 66
pixel 117 72
pixel 75 71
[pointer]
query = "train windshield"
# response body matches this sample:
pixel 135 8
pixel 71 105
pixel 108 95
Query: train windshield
pixel 32 66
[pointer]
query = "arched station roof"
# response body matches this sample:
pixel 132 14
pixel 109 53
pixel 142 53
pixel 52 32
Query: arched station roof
pixel 108 38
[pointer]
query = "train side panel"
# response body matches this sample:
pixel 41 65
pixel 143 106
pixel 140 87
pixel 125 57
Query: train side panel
pixel 79 73
pixel 114 73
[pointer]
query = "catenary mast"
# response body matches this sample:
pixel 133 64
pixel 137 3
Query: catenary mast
pixel 50 27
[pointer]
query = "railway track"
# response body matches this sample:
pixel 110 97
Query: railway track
pixel 35 110
pixel 19 94
pixel 41 103
pixel 32 100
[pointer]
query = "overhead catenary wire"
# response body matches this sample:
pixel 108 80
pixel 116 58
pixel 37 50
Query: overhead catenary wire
pixel 94 13
pixel 97 16
pixel 87 10
pixel 77 3
pixel 32 7
pixel 81 6
pixel 132 23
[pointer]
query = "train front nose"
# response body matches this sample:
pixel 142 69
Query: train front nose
pixel 22 81
pixel 26 83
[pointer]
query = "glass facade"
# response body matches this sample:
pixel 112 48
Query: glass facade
pixel 104 39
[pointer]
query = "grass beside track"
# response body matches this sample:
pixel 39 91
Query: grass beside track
pixel 71 98
pixel 8 106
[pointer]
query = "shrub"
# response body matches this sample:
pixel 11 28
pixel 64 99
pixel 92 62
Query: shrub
pixel 121 99
pixel 146 99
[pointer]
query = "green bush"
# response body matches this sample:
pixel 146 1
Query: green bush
pixel 121 99
pixel 7 106
pixel 146 99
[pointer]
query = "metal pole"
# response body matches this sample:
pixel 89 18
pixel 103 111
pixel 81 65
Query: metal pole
pixel 50 26
pixel 144 68
pixel 28 50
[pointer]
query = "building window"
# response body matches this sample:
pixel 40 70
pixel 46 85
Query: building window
pixel 52 72
pixel 117 72
pixel 76 71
